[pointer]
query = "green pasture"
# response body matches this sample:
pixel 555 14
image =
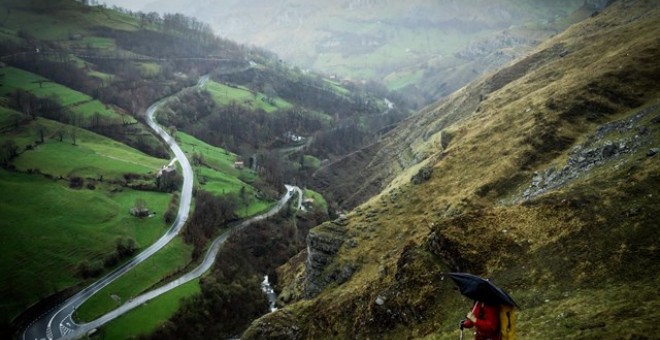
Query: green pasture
pixel 14 79
pixel 309 161
pixel 93 156
pixel 174 256
pixel 337 87
pixel 99 42
pixel 89 108
pixel 224 95
pixel 9 117
pixel 146 318
pixel 149 69
pixel 319 200
pixel 48 228
pixel 61 20
pixel 106 77
pixel 217 158
pixel 218 176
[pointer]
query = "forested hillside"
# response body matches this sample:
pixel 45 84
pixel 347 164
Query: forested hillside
pixel 93 185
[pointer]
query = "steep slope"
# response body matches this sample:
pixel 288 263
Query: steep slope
pixel 542 176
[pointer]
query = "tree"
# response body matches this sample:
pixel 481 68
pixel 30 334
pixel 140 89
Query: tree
pixel 270 93
pixel 72 134
pixel 60 133
pixel 245 198
pixel 41 131
pixel 125 246
pixel 9 151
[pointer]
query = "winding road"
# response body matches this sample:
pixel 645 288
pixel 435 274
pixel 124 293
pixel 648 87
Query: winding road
pixel 58 322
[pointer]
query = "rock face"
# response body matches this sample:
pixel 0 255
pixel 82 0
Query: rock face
pixel 323 242
pixel 608 143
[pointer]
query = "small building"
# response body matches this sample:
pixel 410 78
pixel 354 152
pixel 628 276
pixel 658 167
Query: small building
pixel 166 169
pixel 239 165
pixel 140 212
pixel 140 209
pixel 308 203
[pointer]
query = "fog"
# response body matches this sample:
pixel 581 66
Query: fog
pixel 426 48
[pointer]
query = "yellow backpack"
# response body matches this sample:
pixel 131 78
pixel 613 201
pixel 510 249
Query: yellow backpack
pixel 507 322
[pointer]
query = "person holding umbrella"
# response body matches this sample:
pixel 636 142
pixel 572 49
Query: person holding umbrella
pixel 485 319
pixel 490 303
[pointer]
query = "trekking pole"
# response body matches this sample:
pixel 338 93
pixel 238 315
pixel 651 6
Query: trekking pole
pixel 460 326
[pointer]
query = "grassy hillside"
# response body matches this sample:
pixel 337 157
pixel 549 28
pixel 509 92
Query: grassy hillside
pixel 215 173
pixel 148 317
pixel 224 94
pixel 540 177
pixel 76 155
pixel 170 260
pixel 49 226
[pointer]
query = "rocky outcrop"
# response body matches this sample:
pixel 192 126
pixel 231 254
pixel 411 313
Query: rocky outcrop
pixel 323 243
pixel 608 143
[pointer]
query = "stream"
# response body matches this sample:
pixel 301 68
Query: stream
pixel 270 293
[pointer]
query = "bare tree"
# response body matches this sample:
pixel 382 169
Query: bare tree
pixel 72 134
pixel 60 133
pixel 41 131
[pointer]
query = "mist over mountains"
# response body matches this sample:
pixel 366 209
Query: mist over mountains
pixel 426 49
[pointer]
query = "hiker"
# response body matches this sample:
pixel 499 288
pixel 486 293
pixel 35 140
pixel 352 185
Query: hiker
pixel 486 321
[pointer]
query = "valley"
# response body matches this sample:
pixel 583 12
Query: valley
pixel 153 173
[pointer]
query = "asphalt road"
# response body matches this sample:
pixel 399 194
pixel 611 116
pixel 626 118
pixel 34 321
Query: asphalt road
pixel 57 322
pixel 206 264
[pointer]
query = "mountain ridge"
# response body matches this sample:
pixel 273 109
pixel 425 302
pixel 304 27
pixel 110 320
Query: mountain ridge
pixel 585 104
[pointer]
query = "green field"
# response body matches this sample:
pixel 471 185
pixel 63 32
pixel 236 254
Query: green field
pixel 14 79
pixel 61 21
pixel 93 156
pixel 224 95
pixel 172 257
pixel 218 175
pixel 319 200
pixel 48 228
pixel 146 318
pixel 217 158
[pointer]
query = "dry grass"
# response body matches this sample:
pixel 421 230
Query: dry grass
pixel 578 247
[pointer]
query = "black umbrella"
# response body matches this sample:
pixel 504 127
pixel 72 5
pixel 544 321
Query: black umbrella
pixel 480 289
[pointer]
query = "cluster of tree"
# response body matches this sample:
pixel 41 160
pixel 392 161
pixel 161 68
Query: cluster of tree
pixel 169 181
pixel 32 107
pixel 124 248
pixel 231 296
pixel 211 214
pixel 161 44
pixel 8 151
pixel 236 127
pixel 172 208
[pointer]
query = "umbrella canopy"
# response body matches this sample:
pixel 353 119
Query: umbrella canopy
pixel 480 289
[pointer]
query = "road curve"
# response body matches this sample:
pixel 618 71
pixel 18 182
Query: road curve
pixel 57 322
pixel 206 264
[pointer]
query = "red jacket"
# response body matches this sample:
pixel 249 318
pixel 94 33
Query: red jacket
pixel 487 325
